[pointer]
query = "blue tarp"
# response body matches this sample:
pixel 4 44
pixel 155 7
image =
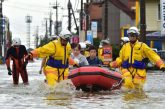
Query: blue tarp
pixel 157 38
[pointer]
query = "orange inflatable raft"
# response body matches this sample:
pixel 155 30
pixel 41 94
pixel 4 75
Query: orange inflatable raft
pixel 91 78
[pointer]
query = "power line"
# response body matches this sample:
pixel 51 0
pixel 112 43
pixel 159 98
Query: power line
pixel 78 1
pixel 63 11
pixel 75 4
pixel 56 26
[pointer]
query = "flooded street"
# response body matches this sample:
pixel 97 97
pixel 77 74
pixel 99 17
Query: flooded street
pixel 38 96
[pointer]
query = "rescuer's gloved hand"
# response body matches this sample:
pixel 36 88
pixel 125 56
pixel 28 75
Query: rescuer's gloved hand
pixel 75 65
pixel 110 67
pixel 40 72
pixel 9 71
pixel 25 63
pixel 77 62
pixel 29 56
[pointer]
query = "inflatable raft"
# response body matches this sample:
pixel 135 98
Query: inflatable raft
pixel 91 78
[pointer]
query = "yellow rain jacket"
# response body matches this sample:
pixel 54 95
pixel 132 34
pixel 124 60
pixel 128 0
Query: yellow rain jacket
pixel 131 62
pixel 100 54
pixel 57 65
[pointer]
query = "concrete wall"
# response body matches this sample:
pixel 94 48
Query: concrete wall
pixel 95 12
pixel 113 24
pixel 117 19
pixel 153 24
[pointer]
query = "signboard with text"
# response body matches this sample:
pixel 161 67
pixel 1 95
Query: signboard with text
pixel 94 29
pixel 107 55
pixel 90 36
pixel 162 8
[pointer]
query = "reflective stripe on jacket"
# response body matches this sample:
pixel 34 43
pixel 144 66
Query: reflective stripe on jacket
pixel 56 51
pixel 137 52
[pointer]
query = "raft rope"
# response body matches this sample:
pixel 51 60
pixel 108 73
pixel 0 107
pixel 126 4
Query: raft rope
pixel 117 84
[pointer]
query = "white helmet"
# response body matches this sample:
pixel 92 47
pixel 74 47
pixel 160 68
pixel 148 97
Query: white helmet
pixel 53 37
pixel 83 45
pixel 125 39
pixel 65 34
pixel 104 41
pixel 16 41
pixel 133 30
pixel 100 46
pixel 88 42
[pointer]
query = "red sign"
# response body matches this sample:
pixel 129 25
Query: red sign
pixel 107 55
pixel 75 39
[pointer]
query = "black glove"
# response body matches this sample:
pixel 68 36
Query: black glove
pixel 40 72
pixel 162 69
pixel 111 68
pixel 25 63
pixel 75 65
pixel 29 57
pixel 9 71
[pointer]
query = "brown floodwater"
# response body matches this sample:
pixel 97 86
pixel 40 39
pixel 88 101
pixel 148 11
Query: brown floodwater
pixel 39 96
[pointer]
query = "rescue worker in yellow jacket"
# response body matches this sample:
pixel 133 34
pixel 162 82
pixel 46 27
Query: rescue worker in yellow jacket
pixel 130 59
pixel 58 52
pixel 44 60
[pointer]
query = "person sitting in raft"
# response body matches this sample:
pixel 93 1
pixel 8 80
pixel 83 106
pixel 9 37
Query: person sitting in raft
pixel 77 56
pixel 93 59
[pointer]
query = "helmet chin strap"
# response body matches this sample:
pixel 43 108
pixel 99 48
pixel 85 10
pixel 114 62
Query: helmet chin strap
pixel 62 43
pixel 132 42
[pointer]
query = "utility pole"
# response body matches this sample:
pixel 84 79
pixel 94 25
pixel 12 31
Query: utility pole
pixel 28 21
pixel 143 21
pixel 87 15
pixel 46 28
pixel 81 15
pixel 75 20
pixel 56 24
pixel 50 23
pixel 1 14
pixel 1 28
pixel 69 15
pixel 106 19
pixel 36 37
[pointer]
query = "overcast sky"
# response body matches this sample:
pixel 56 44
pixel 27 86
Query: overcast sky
pixel 16 10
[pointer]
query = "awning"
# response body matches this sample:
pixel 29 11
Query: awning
pixel 155 36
